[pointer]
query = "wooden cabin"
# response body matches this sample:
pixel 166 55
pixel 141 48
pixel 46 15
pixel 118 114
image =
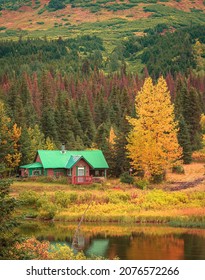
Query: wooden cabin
pixel 80 167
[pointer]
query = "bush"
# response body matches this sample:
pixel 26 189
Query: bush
pixel 54 5
pixel 126 178
pixel 28 198
pixel 118 197
pixel 63 252
pixel 63 199
pixel 158 178
pixel 42 201
pixel 141 184
pixel 47 211
pixel 178 169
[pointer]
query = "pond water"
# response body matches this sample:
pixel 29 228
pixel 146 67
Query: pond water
pixel 125 242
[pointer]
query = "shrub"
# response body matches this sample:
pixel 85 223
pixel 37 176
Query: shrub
pixel 42 201
pixel 63 252
pixel 28 198
pixel 118 197
pixel 54 5
pixel 32 249
pixel 126 178
pixel 47 211
pixel 63 199
pixel 158 178
pixel 179 169
pixel 2 28
pixel 141 184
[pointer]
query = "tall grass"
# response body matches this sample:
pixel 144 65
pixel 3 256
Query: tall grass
pixel 116 206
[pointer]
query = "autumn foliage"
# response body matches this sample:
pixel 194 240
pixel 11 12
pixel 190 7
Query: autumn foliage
pixel 152 143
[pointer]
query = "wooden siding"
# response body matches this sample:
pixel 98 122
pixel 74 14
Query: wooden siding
pixel 50 172
pixel 38 159
pixel 80 163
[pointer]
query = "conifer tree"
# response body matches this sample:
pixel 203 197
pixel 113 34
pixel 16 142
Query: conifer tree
pixel 187 104
pixel 183 133
pixel 101 138
pixel 37 142
pixel 184 140
pixel 152 142
pixel 101 110
pixel 122 163
pixel 110 152
pixel 7 223
pixel 25 96
pixel 194 120
pixel 87 122
pixel 79 144
pixel 48 123
pixel 62 119
pixel 25 146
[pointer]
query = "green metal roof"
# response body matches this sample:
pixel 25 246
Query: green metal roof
pixel 66 159
pixel 72 160
pixel 32 165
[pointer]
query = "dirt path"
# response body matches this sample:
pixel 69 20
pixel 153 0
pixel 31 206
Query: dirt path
pixel 177 186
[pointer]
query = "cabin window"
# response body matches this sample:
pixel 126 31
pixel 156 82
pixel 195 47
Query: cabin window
pixel 59 172
pixel 97 173
pixel 36 172
pixel 81 171
pixel 69 173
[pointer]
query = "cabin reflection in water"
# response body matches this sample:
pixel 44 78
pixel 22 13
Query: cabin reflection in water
pixel 127 243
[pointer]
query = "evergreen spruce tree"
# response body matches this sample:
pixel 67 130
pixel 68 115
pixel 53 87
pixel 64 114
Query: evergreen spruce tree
pixel 79 145
pixel 194 120
pixel 87 123
pixel 122 163
pixel 25 146
pixel 101 110
pixel 19 112
pixel 62 118
pixel 48 123
pixel 184 140
pixel 183 133
pixel 101 138
pixel 25 96
pixel 187 106
pixel 37 141
pixel 7 223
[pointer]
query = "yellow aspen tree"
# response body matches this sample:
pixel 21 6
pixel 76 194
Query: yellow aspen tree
pixel 13 158
pixel 9 141
pixel 202 123
pixel 49 145
pixel 112 137
pixel 152 143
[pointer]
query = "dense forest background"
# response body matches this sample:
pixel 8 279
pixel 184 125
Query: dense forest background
pixel 73 91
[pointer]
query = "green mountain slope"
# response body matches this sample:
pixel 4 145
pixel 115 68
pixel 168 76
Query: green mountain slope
pixel 115 22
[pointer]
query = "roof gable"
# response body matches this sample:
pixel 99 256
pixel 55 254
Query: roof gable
pixel 66 159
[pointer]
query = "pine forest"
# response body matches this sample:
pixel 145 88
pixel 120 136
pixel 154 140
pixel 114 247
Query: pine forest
pixel 123 77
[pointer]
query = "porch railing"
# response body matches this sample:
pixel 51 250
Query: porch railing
pixel 80 180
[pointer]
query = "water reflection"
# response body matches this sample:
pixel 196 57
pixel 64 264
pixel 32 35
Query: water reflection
pixel 126 242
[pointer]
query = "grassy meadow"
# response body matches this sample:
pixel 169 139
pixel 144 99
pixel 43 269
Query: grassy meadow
pixel 116 202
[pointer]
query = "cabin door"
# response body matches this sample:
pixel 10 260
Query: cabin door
pixel 81 174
